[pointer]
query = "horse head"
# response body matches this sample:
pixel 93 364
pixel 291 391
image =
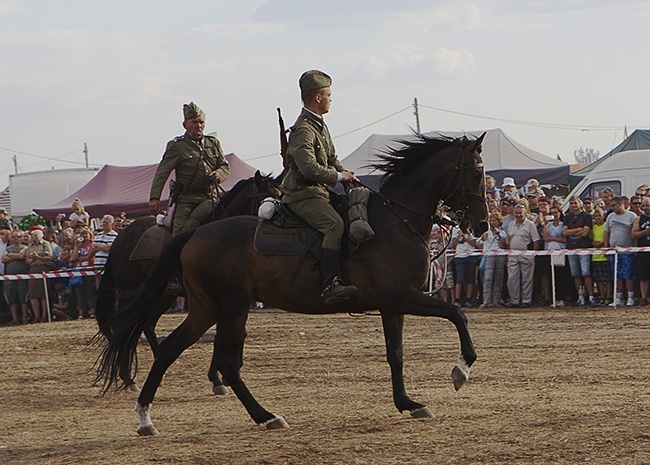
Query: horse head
pixel 465 191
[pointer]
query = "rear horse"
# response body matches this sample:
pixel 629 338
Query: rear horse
pixel 222 273
pixel 124 275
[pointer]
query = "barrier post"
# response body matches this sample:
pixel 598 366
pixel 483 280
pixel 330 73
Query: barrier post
pixel 615 277
pixel 47 298
pixel 553 280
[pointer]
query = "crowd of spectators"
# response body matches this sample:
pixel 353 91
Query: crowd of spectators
pixel 519 219
pixel 68 243
pixel 527 219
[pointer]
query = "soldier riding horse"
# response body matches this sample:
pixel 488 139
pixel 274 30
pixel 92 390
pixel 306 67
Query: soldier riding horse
pixel 222 273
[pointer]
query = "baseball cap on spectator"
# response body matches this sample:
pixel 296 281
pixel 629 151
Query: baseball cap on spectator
pixel 587 199
pixel 543 198
pixel 532 182
pixel 508 182
pixel 3 210
pixel 532 194
pixel 508 201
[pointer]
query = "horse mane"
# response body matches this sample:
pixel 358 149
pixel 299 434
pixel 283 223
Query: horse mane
pixel 400 161
pixel 238 188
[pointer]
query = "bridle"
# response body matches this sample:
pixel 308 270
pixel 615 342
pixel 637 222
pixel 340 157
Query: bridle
pixel 460 190
pixel 459 179
pixel 254 198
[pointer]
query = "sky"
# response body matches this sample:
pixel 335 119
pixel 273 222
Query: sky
pixel 554 75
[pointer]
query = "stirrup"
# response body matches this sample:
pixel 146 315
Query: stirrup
pixel 336 291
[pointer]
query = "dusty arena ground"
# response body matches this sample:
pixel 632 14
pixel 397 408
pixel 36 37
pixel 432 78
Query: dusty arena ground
pixel 550 386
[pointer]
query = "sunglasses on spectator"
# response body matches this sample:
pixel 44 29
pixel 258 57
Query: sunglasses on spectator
pixel 636 203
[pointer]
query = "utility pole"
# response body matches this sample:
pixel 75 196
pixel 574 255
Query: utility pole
pixel 86 153
pixel 417 114
pixel 15 165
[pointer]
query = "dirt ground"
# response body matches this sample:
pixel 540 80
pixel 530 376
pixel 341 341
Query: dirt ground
pixel 561 386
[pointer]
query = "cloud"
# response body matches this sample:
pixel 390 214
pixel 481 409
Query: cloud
pixel 10 8
pixel 334 14
pixel 455 62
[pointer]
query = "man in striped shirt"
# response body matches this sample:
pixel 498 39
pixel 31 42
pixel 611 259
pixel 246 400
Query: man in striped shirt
pixel 102 243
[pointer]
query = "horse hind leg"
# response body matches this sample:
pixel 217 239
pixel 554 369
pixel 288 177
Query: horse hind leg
pixel 194 326
pixel 229 345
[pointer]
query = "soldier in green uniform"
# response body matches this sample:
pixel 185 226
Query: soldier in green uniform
pixel 312 165
pixel 199 164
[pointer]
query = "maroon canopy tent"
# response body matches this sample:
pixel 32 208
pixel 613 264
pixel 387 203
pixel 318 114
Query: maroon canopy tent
pixel 117 189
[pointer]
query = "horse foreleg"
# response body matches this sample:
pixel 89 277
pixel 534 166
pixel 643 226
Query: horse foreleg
pixel 393 326
pixel 229 345
pixel 180 339
pixel 423 305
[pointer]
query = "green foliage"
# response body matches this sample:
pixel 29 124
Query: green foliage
pixel 31 220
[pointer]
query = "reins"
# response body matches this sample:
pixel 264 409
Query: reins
pixel 387 202
pixel 459 190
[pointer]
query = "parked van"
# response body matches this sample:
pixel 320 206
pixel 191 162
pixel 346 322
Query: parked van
pixel 623 172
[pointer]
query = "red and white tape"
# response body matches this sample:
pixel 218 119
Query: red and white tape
pixel 86 271
pixel 608 251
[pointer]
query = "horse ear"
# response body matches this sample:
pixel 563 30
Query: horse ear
pixel 479 141
pixel 258 178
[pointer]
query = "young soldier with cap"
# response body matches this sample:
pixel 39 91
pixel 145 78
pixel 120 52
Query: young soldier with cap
pixel 198 162
pixel 312 165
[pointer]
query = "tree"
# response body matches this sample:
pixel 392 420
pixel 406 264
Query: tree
pixel 586 155
pixel 31 220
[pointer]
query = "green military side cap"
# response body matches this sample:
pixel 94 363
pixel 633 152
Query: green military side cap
pixel 191 110
pixel 314 79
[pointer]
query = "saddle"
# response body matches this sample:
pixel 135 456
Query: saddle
pixel 151 243
pixel 288 234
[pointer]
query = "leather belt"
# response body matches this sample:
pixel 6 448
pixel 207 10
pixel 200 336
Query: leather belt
pixel 197 191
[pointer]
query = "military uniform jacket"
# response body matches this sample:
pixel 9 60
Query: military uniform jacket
pixel 181 155
pixel 311 160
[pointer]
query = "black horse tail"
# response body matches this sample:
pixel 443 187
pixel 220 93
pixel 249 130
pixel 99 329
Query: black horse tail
pixel 119 354
pixel 106 299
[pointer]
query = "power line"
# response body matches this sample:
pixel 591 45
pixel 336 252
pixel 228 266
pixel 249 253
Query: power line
pixel 570 127
pixel 374 122
pixel 344 134
pixel 58 159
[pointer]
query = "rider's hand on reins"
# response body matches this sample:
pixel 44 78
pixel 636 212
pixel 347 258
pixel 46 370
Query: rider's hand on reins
pixel 154 206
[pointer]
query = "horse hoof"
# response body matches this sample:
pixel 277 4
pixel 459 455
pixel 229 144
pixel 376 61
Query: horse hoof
pixel 422 412
pixel 149 430
pixel 220 390
pixel 459 377
pixel 276 423
pixel 133 387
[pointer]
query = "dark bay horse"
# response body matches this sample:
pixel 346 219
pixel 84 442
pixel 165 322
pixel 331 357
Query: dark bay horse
pixel 222 273
pixel 123 277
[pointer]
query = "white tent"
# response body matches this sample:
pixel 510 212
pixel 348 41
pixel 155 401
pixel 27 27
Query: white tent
pixel 502 155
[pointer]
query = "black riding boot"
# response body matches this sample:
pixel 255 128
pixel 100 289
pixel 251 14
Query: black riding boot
pixel 334 290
